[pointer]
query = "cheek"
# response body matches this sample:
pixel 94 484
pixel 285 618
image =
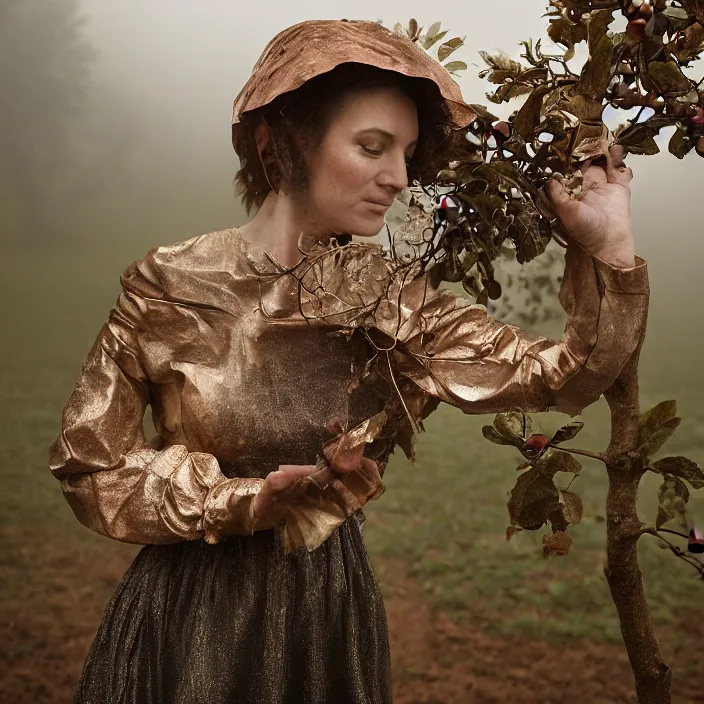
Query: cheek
pixel 343 175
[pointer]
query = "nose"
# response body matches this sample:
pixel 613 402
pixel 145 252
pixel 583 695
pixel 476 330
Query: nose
pixel 394 176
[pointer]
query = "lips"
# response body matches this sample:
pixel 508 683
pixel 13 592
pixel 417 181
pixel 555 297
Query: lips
pixel 376 202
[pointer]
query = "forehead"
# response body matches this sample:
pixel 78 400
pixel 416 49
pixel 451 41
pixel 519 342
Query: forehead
pixel 381 107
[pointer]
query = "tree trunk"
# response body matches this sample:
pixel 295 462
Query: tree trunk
pixel 623 529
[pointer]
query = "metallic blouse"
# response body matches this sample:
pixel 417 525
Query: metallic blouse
pixel 244 364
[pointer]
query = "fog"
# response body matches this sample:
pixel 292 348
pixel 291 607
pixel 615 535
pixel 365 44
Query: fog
pixel 147 157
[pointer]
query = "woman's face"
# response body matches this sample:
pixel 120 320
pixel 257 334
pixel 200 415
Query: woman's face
pixel 361 163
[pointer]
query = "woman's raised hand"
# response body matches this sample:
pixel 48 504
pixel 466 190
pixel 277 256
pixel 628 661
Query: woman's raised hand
pixel 600 218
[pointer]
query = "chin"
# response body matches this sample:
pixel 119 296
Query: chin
pixel 366 227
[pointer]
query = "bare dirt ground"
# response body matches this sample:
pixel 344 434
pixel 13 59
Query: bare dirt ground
pixel 47 624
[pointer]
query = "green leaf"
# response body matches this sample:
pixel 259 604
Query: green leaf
pixel 412 27
pixel 493 435
pixel 567 432
pixel 573 509
pixel 668 78
pixel 673 496
pixel 532 500
pixel 654 417
pixel 510 425
pixel 657 425
pixel 655 441
pixel 681 467
pixel 448 47
pixel 432 40
pixel 676 13
pixel 431 33
pixel 456 66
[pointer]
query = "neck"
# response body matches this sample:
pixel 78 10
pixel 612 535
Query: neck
pixel 281 225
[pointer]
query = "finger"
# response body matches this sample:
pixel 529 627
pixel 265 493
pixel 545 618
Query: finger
pixel 302 469
pixel 557 193
pixel 370 465
pixel 617 154
pixel 616 168
pixel 275 481
pixel 292 473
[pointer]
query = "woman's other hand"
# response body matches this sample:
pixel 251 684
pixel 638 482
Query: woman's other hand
pixel 600 218
pixel 267 507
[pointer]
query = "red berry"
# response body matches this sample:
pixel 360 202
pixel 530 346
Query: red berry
pixel 645 11
pixel 534 446
pixel 698 117
pixel 503 128
pixel 636 28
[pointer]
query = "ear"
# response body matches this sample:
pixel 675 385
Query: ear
pixel 261 137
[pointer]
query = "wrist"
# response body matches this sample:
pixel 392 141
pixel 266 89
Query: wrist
pixel 623 257
pixel 618 251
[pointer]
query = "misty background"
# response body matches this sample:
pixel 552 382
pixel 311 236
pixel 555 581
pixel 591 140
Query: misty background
pixel 115 137
pixel 115 123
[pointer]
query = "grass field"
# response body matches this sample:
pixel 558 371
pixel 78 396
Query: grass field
pixel 441 523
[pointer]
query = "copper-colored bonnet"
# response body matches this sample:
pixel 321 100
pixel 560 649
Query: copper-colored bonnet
pixel 311 48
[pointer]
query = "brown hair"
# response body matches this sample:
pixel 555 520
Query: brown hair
pixel 304 113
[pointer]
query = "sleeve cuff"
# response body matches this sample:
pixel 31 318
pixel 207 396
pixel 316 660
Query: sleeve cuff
pixel 227 509
pixel 633 279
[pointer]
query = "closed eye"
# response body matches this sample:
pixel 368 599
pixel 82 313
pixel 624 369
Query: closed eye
pixel 374 152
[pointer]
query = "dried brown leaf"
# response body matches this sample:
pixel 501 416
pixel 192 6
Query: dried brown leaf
pixel 680 145
pixel 567 432
pixel 599 69
pixel 556 545
pixel 638 139
pixel 532 500
pixel 554 461
pixel 511 531
pixel 528 116
pixel 501 61
pixel 508 91
pixel 672 496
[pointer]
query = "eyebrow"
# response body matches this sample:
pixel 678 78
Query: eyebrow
pixel 383 133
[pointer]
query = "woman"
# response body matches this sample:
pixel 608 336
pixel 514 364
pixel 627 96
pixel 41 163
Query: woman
pixel 254 360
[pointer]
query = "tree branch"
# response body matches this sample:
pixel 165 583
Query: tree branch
pixel 585 453
pixel 675 549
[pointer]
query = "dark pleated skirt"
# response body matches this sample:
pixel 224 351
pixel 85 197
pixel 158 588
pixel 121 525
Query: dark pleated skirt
pixel 242 623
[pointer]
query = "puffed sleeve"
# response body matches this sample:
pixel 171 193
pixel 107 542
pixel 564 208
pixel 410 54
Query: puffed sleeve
pixel 461 355
pixel 113 480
